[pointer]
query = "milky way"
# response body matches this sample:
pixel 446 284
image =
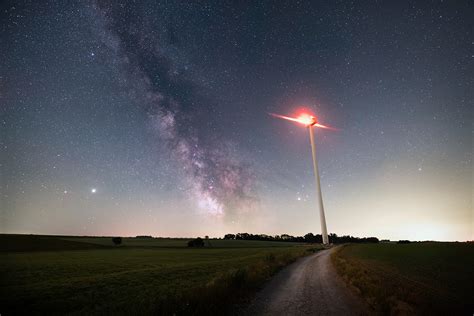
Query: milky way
pixel 219 181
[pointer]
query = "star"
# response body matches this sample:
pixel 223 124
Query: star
pixel 163 117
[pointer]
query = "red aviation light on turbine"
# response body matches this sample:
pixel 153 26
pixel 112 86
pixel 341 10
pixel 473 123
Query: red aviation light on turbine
pixel 305 119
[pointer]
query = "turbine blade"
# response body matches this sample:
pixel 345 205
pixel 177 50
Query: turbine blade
pixel 326 127
pixel 285 117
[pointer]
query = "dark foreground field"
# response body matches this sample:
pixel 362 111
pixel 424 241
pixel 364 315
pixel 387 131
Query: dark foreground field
pixel 417 278
pixel 83 275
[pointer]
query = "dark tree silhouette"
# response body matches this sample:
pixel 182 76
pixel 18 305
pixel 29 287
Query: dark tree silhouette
pixel 403 241
pixel 229 236
pixel 309 238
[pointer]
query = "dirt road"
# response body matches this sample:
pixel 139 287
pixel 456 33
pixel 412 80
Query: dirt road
pixel 309 286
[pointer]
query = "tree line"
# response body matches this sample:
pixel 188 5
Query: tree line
pixel 309 238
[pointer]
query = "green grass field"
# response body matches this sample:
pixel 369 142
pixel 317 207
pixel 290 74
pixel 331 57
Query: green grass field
pixel 87 275
pixel 181 242
pixel 417 278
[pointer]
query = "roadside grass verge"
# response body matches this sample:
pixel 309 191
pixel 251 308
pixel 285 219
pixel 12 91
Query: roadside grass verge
pixel 415 279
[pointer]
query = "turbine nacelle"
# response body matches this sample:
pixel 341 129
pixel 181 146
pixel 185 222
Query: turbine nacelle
pixel 307 120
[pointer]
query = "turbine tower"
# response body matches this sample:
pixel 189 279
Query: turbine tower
pixel 319 194
pixel 310 122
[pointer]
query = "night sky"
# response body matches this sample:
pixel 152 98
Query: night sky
pixel 124 118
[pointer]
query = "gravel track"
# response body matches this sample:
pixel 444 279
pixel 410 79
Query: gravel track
pixel 310 286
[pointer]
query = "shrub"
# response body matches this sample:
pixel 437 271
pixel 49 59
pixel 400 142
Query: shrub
pixel 198 242
pixel 117 240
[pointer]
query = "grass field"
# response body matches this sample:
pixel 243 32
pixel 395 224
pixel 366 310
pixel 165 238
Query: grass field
pixel 87 275
pixel 418 278
pixel 181 242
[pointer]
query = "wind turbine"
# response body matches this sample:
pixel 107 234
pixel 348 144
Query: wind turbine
pixel 310 121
